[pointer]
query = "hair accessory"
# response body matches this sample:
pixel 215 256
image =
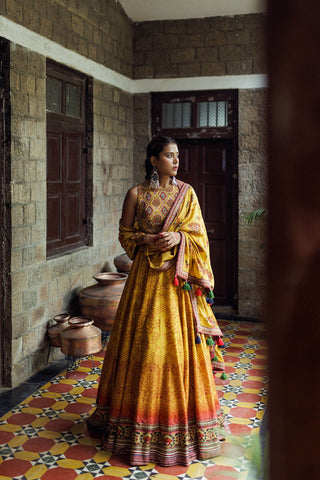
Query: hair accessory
pixel 154 179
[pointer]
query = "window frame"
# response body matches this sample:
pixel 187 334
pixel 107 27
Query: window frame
pixel 65 125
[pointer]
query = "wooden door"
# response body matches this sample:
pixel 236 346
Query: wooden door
pixel 206 164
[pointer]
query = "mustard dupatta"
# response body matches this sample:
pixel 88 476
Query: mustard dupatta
pixel 191 256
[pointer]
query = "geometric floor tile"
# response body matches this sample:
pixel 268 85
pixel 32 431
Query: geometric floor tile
pixel 45 437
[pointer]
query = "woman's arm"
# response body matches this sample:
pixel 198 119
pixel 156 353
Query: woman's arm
pixel 129 207
pixel 128 214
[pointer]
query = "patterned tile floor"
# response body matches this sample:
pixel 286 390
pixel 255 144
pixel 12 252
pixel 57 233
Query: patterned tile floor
pixel 45 436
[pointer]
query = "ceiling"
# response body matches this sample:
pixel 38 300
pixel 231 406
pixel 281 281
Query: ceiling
pixel 145 10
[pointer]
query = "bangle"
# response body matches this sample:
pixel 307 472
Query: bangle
pixel 136 236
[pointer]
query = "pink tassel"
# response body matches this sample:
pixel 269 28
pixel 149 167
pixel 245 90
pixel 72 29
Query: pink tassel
pixel 175 281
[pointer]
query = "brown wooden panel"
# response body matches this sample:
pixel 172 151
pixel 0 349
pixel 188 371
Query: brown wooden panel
pixel 54 219
pixel 54 157
pixel 73 158
pixel 72 213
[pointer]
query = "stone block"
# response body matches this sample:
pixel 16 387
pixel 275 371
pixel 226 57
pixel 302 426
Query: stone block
pixel 16 350
pixel 163 42
pixel 17 215
pixel 35 275
pixel 182 55
pixel 242 67
pixel 215 38
pixel 21 236
pixel 19 281
pixel 207 54
pixel 20 371
pixel 175 27
pixel 213 68
pixel 189 70
pixel 238 37
pixel 165 70
pixel 19 103
pixel 16 260
pixel 16 304
pixel 143 71
pixel 43 294
pixel 13 11
pixel 45 27
pixel 30 342
pixel 38 316
pixel 232 53
pixel 29 299
pixel 157 56
pixel 37 149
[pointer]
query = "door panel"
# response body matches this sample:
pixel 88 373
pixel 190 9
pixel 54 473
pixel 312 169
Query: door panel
pixel 206 164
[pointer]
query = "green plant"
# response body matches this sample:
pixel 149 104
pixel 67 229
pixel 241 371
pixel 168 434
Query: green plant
pixel 259 214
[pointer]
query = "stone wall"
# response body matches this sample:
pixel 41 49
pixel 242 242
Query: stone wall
pixel 252 195
pixel 42 288
pixel 142 133
pixel 200 47
pixel 99 30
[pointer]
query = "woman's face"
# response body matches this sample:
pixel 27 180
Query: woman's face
pixel 168 161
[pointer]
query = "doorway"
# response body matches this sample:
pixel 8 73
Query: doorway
pixel 204 124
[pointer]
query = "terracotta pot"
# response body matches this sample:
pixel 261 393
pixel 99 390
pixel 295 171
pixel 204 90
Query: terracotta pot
pixel 122 263
pixel 101 301
pixel 81 338
pixel 54 332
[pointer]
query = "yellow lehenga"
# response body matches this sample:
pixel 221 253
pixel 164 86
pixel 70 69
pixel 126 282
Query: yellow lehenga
pixel 156 398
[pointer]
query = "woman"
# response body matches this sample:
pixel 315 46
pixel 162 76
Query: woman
pixel 157 399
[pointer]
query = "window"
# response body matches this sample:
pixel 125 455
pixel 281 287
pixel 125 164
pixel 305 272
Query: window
pixel 68 205
pixel 195 114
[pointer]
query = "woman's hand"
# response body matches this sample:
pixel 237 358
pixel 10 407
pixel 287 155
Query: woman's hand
pixel 167 240
pixel 147 239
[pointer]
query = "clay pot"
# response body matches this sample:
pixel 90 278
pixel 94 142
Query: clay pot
pixel 122 263
pixel 54 332
pixel 101 301
pixel 81 338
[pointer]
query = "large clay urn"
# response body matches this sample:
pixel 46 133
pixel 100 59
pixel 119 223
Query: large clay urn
pixel 122 263
pixel 81 338
pixel 101 301
pixel 54 332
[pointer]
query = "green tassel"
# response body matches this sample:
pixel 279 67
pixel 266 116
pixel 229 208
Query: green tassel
pixel 186 286
pixel 224 376
pixel 210 341
pixel 215 358
pixel 210 294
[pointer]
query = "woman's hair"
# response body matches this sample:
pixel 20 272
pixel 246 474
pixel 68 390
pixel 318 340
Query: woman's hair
pixel 154 148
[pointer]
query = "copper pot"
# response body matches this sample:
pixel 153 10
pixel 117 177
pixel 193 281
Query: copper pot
pixel 122 263
pixel 81 338
pixel 101 301
pixel 54 332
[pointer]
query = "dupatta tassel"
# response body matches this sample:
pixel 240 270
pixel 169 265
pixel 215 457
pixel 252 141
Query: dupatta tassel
pixel 210 294
pixel 175 281
pixel 220 343
pixel 186 286
pixel 198 339
pixel 224 376
pixel 209 301
pixel 215 358
pixel 210 341
pixel 198 292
